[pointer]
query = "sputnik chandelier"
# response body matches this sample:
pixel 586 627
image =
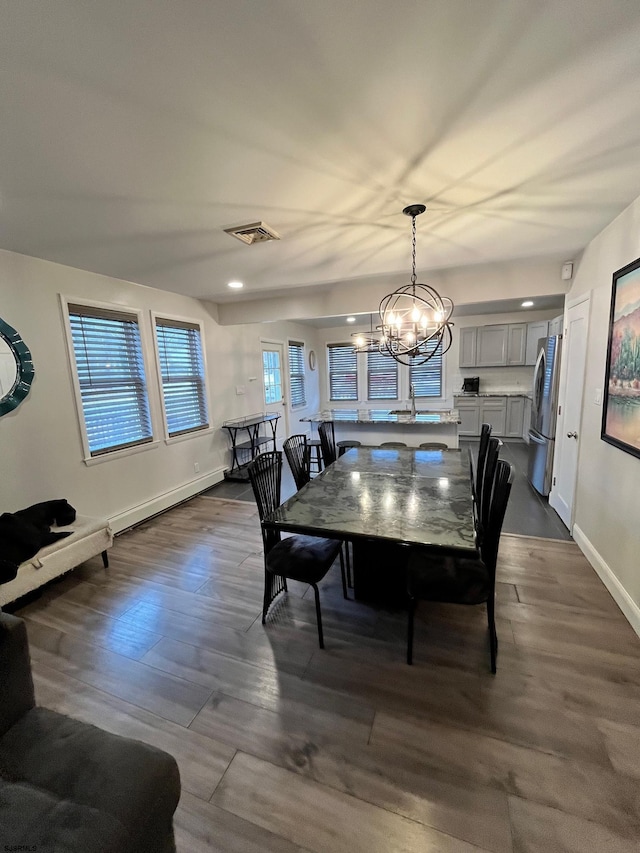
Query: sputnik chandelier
pixel 415 321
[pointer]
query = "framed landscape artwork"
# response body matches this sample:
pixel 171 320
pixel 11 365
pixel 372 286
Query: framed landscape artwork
pixel 621 413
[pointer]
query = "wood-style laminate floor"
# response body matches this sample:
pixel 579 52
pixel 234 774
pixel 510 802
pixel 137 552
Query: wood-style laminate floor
pixel 284 747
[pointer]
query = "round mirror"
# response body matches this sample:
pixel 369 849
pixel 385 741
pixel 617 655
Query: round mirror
pixel 16 368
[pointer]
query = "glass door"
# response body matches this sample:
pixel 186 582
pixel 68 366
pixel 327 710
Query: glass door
pixel 273 379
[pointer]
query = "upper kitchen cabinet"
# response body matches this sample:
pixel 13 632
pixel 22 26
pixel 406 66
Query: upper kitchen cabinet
pixel 535 331
pixel 555 325
pixel 491 346
pixel 516 343
pixel 468 339
pixel 500 345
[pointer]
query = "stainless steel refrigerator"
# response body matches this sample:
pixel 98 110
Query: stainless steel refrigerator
pixel 544 412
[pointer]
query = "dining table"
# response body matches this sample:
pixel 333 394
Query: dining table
pixel 386 501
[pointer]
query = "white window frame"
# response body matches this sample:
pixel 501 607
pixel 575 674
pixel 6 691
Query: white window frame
pixel 108 455
pixel 442 394
pixel 398 369
pixel 346 403
pixel 302 346
pixel 173 439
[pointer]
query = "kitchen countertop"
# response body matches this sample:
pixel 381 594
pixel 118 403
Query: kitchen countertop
pixel 492 394
pixel 386 416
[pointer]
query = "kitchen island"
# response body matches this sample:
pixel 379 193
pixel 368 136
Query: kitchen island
pixel 373 426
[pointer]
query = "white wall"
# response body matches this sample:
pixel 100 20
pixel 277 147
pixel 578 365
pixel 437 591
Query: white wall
pixel 607 503
pixel 41 455
pixel 492 379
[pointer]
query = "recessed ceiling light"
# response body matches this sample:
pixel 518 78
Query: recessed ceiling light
pixel 527 304
pixel 351 319
pixel 236 285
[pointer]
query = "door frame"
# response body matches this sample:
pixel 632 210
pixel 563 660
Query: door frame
pixel 562 393
pixel 285 379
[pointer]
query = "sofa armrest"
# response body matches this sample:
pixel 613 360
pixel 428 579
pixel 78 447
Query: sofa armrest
pixel 16 684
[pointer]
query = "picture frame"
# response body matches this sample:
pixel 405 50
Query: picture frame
pixel 621 403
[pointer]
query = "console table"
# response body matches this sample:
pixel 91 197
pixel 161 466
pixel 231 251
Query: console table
pixel 244 451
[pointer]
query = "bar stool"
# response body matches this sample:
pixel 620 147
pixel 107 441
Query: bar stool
pixel 315 455
pixel 343 446
pixel 434 445
pixel 397 444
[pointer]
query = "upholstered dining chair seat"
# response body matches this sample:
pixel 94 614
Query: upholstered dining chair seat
pixel 454 580
pixel 303 558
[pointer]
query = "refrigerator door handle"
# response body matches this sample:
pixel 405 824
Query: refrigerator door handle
pixel 536 384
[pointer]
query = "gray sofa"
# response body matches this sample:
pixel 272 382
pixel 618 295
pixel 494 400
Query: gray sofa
pixel 69 786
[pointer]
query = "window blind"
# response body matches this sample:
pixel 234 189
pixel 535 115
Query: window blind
pixel 110 368
pixel 296 374
pixel 382 377
pixel 427 378
pixel 182 372
pixel 343 372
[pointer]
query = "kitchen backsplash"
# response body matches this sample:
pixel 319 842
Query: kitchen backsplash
pixel 496 379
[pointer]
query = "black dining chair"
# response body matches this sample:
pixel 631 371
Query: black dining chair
pixel 485 485
pixel 433 445
pixel 485 435
pixel 461 580
pixel 302 558
pixel 327 442
pixel 297 450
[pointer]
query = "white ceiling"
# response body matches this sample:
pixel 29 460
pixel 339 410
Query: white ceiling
pixel 134 131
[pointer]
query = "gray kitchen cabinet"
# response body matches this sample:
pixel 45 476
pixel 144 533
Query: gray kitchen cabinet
pixel 555 325
pixel 491 345
pixel 515 417
pixel 493 410
pixel 469 411
pixel 475 411
pixel 535 331
pixel 468 346
pixel 516 343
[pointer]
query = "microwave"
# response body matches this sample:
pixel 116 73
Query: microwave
pixel 471 384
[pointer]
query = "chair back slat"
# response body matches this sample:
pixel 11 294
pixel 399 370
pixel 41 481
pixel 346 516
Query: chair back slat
pixel 483 495
pixel 265 474
pixel 296 451
pixel 485 435
pixel 327 442
pixel 499 497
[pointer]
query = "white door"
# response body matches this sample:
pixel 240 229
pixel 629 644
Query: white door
pixel 274 387
pixel 572 371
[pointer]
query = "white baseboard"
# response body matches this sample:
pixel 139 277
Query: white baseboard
pixel 136 514
pixel 620 595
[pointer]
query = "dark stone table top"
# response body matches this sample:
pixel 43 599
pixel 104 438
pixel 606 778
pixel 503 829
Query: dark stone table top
pixel 408 496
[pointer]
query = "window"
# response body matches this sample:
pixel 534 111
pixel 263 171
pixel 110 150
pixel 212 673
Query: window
pixel 343 372
pixel 296 374
pixel 182 372
pixel 110 368
pixel 272 376
pixel 427 378
pixel 382 377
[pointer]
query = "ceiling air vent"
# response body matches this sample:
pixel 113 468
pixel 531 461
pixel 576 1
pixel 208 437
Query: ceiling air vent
pixel 256 232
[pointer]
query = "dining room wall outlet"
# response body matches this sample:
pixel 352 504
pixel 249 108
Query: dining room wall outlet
pixel 241 389
pixel 196 467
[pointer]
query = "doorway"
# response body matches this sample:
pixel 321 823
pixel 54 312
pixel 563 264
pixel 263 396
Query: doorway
pixel 572 373
pixel 274 386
